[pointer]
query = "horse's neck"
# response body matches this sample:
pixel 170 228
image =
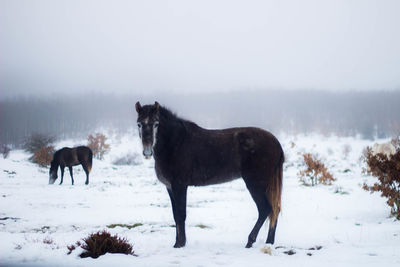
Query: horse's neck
pixel 170 136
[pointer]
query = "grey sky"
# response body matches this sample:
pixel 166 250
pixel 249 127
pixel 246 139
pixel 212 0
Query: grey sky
pixel 133 46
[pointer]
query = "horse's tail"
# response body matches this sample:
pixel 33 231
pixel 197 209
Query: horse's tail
pixel 90 160
pixel 274 191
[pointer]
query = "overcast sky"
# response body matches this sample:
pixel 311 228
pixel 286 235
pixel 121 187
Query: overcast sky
pixel 146 46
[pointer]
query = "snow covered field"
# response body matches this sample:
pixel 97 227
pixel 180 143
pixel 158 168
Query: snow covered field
pixel 338 225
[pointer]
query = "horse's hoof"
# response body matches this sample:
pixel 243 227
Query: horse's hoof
pixel 249 245
pixel 179 245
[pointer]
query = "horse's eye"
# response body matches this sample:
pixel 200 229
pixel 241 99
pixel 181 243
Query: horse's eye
pixel 139 125
pixel 155 125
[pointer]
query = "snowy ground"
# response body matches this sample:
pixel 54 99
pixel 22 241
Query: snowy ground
pixel 350 226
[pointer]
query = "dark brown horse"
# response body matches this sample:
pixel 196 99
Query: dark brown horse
pixel 186 154
pixel 68 157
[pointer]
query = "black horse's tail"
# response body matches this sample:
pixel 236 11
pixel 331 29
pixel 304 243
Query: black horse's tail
pixel 90 160
pixel 274 191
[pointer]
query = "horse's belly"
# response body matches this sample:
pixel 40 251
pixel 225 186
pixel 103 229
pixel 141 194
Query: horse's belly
pixel 214 180
pixel 200 178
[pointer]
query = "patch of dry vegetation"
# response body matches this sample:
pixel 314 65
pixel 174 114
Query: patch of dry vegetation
pixel 315 171
pixel 102 242
pixel 386 168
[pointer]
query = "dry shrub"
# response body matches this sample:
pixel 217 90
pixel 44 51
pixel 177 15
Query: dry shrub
pixel 386 168
pixel 102 242
pixel 315 171
pixel 98 145
pixel 43 156
pixel 5 150
pixel 40 145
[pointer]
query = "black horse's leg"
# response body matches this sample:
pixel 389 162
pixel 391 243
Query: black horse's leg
pixel 85 168
pixel 264 208
pixel 271 232
pixel 62 173
pixel 70 172
pixel 178 200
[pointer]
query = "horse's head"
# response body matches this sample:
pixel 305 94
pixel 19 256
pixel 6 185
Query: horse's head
pixel 53 172
pixel 148 120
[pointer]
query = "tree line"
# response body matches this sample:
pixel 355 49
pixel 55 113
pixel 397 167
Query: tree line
pixel 369 114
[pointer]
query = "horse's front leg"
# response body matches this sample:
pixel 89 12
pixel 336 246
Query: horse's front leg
pixel 177 194
pixel 70 173
pixel 62 173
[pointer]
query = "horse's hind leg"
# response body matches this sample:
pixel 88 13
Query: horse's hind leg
pixel 87 171
pixel 264 208
pixel 70 172
pixel 87 166
pixel 271 232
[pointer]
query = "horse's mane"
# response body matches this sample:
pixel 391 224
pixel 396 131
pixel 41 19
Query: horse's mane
pixel 170 116
pixel 174 120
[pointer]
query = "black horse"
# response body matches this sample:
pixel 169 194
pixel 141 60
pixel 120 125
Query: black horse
pixel 186 154
pixel 68 157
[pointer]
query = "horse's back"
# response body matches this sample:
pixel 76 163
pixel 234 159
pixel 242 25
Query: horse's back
pixel 217 156
pixel 67 156
pixel 247 141
pixel 83 150
pixel 75 156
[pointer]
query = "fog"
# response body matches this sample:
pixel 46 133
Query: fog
pixel 68 68
pixel 52 47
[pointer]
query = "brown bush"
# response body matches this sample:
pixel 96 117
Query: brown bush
pixel 386 168
pixel 43 156
pixel 98 145
pixel 102 242
pixel 315 171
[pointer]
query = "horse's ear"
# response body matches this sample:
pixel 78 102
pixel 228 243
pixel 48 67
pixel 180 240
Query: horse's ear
pixel 156 105
pixel 138 107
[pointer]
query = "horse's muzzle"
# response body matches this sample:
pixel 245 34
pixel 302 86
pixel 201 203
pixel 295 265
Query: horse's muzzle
pixel 52 178
pixel 147 152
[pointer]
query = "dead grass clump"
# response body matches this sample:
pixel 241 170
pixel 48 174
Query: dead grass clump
pixel 386 168
pixel 315 171
pixel 129 226
pixel 102 242
pixel 48 241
